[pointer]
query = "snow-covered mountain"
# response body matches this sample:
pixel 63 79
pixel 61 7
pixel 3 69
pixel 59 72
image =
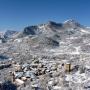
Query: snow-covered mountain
pixel 66 37
pixel 9 33
pixel 52 28
pixel 51 46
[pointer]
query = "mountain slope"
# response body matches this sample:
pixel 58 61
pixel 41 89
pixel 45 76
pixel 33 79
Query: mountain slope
pixel 69 37
pixel 9 33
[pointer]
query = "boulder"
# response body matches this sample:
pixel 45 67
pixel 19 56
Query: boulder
pixel 23 78
pixel 18 67
pixel 2 66
pixel 19 74
pixel 30 74
pixel 40 65
pixel 19 82
pixel 36 61
pixel 34 65
pixel 26 65
pixel 13 62
pixel 41 71
pixel 54 68
pixel 56 88
pixel 25 69
pixel 51 83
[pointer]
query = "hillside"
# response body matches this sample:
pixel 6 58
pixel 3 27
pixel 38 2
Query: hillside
pixel 42 50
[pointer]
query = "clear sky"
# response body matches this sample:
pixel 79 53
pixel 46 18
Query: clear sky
pixel 16 14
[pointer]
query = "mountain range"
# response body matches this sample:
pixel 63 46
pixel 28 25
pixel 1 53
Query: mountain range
pixel 51 38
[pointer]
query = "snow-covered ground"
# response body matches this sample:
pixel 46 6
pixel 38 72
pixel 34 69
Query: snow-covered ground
pixel 85 31
pixel 58 51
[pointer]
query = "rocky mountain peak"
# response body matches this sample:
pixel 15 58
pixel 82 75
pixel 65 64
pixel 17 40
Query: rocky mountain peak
pixel 9 33
pixel 73 24
pixel 52 23
pixel 70 21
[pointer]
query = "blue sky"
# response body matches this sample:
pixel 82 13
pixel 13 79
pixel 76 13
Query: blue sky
pixel 16 14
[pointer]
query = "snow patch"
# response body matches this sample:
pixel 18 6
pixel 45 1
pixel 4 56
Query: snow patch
pixel 77 78
pixel 18 40
pixel 56 87
pixel 77 50
pixel 84 31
